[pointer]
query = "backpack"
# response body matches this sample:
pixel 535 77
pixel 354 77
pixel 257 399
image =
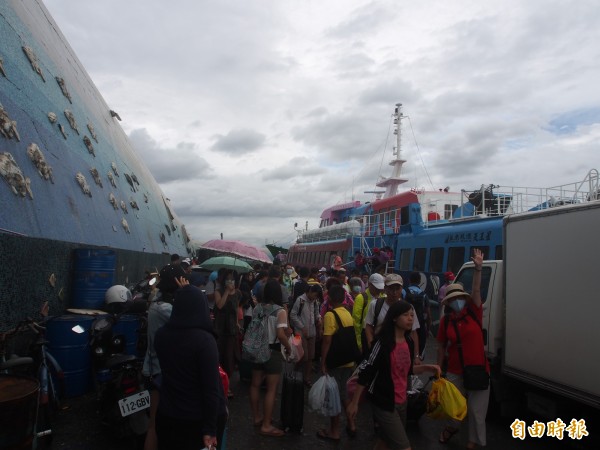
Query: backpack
pixel 417 300
pixel 255 346
pixel 378 306
pixel 344 348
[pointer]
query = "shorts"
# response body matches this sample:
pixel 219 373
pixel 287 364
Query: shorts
pixel 273 366
pixel 392 426
pixel 341 376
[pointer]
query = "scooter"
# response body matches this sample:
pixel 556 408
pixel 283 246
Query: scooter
pixel 122 399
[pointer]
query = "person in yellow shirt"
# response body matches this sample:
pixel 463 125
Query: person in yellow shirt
pixel 339 352
pixel 361 306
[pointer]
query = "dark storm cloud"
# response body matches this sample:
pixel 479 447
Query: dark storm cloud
pixel 168 165
pixel 238 142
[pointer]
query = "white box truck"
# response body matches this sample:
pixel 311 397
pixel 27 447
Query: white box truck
pixel 541 313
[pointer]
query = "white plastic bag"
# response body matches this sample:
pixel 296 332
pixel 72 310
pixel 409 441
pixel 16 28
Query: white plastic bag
pixel 415 384
pixel 324 397
pixel 297 349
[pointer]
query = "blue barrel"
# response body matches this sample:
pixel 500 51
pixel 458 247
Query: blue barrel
pixel 128 325
pixel 71 350
pixel 94 272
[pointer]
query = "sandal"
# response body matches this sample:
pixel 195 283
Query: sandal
pixel 447 434
pixel 324 434
pixel 273 432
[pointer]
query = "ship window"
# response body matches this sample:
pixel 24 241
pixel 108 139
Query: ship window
pixel 404 216
pixel 405 255
pixel 499 252
pixel 456 258
pixel 436 259
pixel 449 211
pixel 419 263
pixel 466 278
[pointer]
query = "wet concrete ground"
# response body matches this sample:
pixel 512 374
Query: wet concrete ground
pixel 77 428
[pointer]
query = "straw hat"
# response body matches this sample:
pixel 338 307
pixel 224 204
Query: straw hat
pixel 455 290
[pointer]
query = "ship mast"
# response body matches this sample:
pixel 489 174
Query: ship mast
pixel 391 184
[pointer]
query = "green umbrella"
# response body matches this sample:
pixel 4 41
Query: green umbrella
pixel 228 262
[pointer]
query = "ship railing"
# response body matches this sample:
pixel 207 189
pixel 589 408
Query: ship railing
pixel 497 200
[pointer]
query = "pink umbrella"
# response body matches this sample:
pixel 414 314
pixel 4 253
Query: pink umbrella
pixel 237 248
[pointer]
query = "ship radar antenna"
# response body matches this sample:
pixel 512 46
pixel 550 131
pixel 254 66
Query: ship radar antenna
pixel 391 184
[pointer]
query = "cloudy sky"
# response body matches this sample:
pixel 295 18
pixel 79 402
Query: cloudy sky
pixel 256 115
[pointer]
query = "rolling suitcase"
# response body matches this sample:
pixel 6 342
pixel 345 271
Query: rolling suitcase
pixel 292 401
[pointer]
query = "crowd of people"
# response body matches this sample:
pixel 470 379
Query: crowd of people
pixel 372 326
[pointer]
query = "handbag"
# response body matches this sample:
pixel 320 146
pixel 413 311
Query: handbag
pixel 475 378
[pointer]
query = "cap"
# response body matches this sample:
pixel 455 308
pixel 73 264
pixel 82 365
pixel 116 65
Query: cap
pixel 377 280
pixel 186 262
pixel 449 276
pixel 393 278
pixel 322 269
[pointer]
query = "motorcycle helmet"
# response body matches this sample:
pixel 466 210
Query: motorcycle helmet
pixel 117 298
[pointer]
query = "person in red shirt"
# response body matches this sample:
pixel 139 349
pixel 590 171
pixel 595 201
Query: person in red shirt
pixel 385 373
pixel 462 325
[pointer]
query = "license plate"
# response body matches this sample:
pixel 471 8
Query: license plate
pixel 134 403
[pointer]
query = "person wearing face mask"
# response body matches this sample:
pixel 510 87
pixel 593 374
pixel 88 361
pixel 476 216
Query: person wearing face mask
pixel 460 335
pixel 356 287
pixel 288 278
pixel 376 285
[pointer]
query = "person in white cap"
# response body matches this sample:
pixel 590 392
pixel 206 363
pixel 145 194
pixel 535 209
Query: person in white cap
pixel 361 305
pixel 378 309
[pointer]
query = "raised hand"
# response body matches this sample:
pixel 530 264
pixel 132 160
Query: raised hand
pixel 477 258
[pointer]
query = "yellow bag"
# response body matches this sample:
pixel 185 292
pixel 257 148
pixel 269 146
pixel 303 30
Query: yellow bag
pixel 445 401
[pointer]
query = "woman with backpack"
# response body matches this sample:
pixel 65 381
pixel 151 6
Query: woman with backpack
pixel 391 357
pixel 460 335
pixel 277 323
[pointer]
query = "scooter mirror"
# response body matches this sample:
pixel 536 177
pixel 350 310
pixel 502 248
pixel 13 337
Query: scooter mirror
pixel 78 329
